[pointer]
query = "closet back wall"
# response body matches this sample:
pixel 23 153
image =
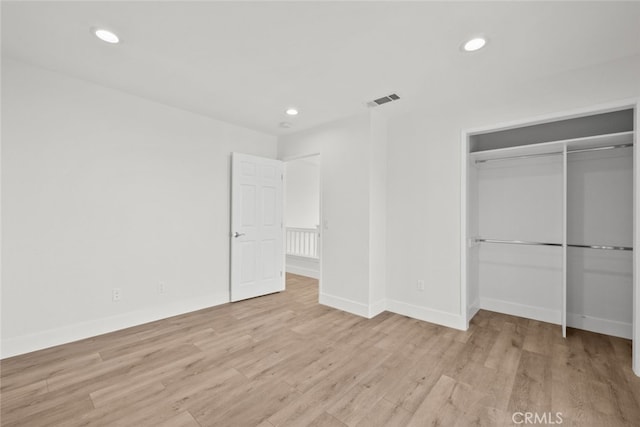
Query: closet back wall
pixel 520 200
pixel 104 190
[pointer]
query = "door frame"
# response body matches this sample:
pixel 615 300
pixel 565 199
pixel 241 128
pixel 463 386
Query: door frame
pixel 320 216
pixel 465 310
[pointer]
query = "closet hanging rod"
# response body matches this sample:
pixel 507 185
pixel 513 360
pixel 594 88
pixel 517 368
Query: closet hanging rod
pixel 606 248
pixel 608 147
pixel 526 156
pixel 517 242
pixel 555 153
pixel 524 242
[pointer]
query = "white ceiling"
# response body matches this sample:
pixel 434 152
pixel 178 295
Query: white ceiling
pixel 246 62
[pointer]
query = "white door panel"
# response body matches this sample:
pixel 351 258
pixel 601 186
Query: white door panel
pixel 257 252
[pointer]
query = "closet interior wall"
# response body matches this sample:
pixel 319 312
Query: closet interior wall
pixel 533 193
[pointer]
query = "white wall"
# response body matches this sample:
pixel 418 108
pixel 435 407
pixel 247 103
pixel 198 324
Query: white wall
pixel 423 216
pixel 302 205
pixel 100 190
pixel 424 173
pixel 378 214
pixel 344 149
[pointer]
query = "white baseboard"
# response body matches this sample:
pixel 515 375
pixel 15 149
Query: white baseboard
pixel 473 309
pixel 443 318
pixel 602 326
pixel 521 310
pixel 344 304
pixel 301 271
pixel 307 267
pixel 66 334
pixel 377 308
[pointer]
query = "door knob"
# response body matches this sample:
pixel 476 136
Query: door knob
pixel 236 234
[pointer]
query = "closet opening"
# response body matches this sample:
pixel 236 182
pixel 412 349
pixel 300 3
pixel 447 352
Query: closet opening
pixel 549 222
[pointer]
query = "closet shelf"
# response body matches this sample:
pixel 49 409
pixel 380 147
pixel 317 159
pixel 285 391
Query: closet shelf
pixel 531 243
pixel 598 142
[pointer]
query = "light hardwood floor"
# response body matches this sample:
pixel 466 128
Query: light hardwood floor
pixel 283 359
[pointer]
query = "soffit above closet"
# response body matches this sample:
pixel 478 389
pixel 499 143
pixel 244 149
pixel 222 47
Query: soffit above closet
pixel 575 128
pixel 246 62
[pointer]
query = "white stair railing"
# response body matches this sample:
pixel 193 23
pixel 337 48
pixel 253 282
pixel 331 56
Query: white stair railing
pixel 303 242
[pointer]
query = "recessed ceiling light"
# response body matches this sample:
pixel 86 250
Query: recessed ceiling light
pixel 291 112
pixel 474 44
pixel 106 35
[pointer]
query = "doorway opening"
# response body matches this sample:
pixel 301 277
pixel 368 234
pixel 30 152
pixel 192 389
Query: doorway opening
pixel 302 216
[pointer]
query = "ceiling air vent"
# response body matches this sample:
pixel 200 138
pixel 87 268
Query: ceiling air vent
pixel 383 100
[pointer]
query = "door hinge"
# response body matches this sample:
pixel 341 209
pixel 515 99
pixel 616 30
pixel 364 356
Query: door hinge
pixel 281 177
pixel 281 274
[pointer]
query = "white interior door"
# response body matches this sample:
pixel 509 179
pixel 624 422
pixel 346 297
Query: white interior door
pixel 257 252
